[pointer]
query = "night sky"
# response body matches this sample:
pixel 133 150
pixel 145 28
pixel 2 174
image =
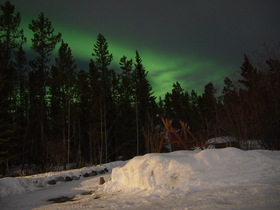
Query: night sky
pixel 192 42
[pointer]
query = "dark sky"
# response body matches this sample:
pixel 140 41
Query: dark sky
pixel 193 42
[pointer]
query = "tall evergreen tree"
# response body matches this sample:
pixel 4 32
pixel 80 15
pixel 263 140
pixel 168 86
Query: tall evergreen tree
pixel 95 129
pixel 126 85
pixel 84 117
pixel 196 116
pixel 101 61
pixel 21 66
pixel 233 110
pixel 249 74
pixel 208 106
pixel 177 103
pixel 11 37
pixel 144 100
pixel 270 89
pixel 43 43
pixel 125 119
pixel 61 97
pixel 249 100
pixel 229 91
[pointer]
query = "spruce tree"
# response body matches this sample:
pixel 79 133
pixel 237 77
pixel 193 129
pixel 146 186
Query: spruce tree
pixel 126 85
pixel 230 115
pixel 94 115
pixel 144 101
pixel 196 116
pixel 85 116
pixel 61 97
pixel 11 38
pixel 208 106
pixel 43 43
pixel 21 66
pixel 11 35
pixel 101 62
pixel 125 119
pixel 229 92
pixel 177 103
pixel 143 95
pixel 249 74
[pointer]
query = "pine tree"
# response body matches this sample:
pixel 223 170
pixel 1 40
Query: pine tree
pixel 177 103
pixel 11 38
pixel 125 123
pixel 196 116
pixel 270 89
pixel 143 99
pixel 232 110
pixel 61 97
pixel 101 61
pixel 250 99
pixel 21 66
pixel 229 92
pixel 10 35
pixel 94 128
pixel 43 43
pixel 208 107
pixel 5 133
pixel 84 117
pixel 126 85
pixel 249 74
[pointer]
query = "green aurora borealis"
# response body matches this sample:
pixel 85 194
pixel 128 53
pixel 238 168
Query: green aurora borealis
pixel 193 57
pixel 164 69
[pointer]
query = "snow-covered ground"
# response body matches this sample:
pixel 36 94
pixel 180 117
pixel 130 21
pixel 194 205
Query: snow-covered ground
pixel 210 179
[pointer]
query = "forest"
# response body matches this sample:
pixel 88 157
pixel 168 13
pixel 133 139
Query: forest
pixel 52 113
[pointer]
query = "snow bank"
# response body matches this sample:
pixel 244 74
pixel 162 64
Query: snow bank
pixel 13 186
pixel 183 170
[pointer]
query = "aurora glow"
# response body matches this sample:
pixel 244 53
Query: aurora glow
pixel 192 43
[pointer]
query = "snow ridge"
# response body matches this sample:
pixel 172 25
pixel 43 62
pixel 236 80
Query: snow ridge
pixel 185 170
pixel 18 185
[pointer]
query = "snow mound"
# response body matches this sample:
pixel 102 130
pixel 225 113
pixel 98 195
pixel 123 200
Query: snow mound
pixel 183 170
pixel 18 185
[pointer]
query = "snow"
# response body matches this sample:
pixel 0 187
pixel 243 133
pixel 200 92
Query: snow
pixel 187 171
pixel 227 178
pixel 19 185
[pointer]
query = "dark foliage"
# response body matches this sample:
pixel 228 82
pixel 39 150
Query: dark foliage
pixel 52 114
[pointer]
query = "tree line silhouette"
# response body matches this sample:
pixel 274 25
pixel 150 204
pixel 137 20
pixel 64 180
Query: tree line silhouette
pixel 52 114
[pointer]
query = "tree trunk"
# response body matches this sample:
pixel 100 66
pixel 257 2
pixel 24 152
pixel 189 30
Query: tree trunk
pixel 137 127
pixel 105 133
pixel 90 144
pixel 101 132
pixel 64 143
pixel 68 132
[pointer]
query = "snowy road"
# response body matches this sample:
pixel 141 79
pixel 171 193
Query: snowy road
pixel 253 184
pixel 39 198
pixel 258 196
